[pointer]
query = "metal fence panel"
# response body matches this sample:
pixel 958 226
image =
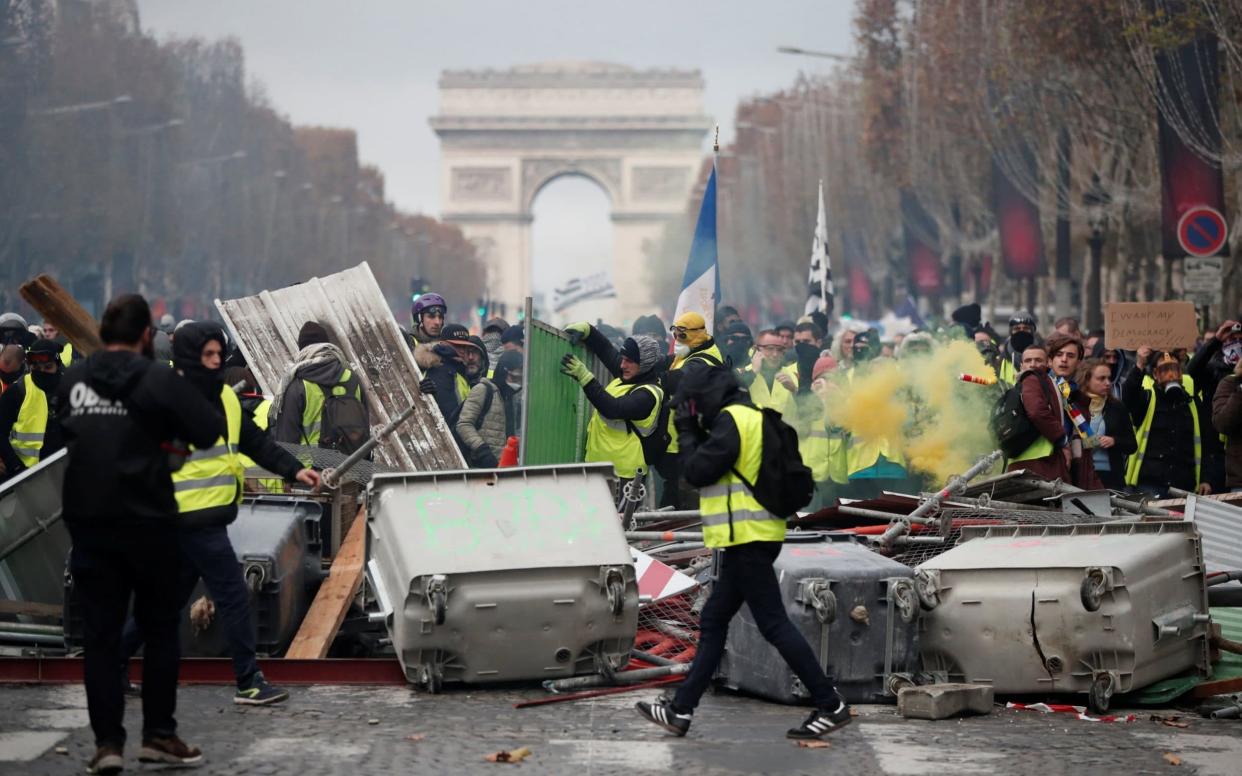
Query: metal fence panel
pixel 351 307
pixel 555 413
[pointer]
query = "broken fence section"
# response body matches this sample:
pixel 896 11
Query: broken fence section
pixel 350 305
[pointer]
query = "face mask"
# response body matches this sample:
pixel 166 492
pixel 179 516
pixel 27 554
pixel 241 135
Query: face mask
pixel 1020 341
pixel 45 381
pixel 681 350
pixel 515 387
pixel 1174 390
pixel 1233 353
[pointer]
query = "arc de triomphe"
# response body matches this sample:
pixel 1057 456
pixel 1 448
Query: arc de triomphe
pixel 505 134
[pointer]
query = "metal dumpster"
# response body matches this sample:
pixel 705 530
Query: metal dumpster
pixel 34 542
pixel 1097 609
pixel 501 575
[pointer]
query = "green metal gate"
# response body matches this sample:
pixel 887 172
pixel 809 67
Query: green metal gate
pixel 555 411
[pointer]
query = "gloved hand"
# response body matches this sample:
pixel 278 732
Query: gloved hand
pixel 484 458
pixel 686 423
pixel 577 332
pixel 427 386
pixel 572 366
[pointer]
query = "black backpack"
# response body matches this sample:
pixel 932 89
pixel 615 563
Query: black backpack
pixel 1013 430
pixel 784 484
pixel 345 424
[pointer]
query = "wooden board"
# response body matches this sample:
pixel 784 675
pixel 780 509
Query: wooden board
pixel 55 304
pixel 337 592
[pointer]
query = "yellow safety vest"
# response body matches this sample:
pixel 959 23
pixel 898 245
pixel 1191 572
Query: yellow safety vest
pixel 613 442
pixel 680 363
pixel 463 387
pixel 66 354
pixel 213 477
pixel 778 397
pixel 731 514
pixel 1135 465
pixel 277 485
pixel 26 436
pixel 312 414
pixel 1007 373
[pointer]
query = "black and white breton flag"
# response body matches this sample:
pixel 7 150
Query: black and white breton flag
pixel 819 292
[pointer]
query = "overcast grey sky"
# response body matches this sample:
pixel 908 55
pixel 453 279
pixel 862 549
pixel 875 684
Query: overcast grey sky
pixel 372 65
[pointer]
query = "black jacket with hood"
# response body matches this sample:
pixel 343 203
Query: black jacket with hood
pixel 117 410
pixel 252 441
pixel 633 406
pixel 710 451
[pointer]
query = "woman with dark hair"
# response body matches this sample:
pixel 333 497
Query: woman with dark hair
pixel 1112 433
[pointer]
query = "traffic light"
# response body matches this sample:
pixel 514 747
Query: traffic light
pixel 481 308
pixel 418 287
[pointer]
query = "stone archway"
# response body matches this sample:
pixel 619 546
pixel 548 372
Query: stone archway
pixel 504 134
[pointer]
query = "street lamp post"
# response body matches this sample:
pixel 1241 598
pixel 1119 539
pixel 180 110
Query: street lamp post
pixel 1096 201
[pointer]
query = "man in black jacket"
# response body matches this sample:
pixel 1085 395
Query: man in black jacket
pixel 29 431
pixel 206 552
pixel 120 413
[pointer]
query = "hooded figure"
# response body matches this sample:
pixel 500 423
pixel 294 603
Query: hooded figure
pixel 493 331
pixel 187 357
pixel 624 428
pixel 319 369
pixel 29 431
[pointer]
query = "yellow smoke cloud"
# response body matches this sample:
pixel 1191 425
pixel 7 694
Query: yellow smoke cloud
pixel 939 423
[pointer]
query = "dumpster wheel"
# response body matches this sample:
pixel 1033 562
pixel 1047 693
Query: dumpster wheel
pixel 1101 693
pixel 438 606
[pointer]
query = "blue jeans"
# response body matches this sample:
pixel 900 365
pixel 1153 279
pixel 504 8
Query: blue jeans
pixel 206 552
pixel 746 576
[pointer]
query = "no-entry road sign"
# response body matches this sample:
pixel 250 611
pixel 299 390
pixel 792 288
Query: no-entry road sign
pixel 1202 231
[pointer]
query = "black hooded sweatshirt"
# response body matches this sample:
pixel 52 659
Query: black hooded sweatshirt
pixel 710 454
pixel 116 410
pixel 252 441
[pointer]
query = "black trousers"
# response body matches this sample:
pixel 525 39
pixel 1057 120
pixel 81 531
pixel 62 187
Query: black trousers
pixel 746 576
pixel 109 563
pixel 207 553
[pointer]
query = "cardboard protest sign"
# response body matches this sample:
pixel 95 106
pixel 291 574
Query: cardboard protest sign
pixel 1162 325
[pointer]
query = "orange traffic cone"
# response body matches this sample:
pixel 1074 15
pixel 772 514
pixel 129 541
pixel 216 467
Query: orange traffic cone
pixel 509 456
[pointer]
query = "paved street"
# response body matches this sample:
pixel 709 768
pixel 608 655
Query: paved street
pixel 329 730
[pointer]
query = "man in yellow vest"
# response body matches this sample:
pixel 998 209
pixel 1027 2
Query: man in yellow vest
pixel 1175 447
pixel 29 431
pixel 721 439
pixel 624 425
pixel 208 488
pixel 771 381
pixel 1021 334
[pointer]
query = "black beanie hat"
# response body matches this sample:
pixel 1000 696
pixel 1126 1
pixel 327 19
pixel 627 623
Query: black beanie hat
pixel 311 334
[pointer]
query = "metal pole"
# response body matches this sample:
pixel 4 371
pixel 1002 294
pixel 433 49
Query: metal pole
pixel 901 526
pixel 875 513
pixel 332 477
pixel 664 536
pixel 24 627
pixel 622 677
pixel 684 514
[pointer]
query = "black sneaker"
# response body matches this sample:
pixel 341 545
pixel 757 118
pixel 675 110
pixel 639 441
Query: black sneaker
pixel 107 759
pixel 661 712
pixel 170 750
pixel 821 722
pixel 260 693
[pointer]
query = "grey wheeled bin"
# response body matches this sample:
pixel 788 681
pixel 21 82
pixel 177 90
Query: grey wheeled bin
pixel 858 610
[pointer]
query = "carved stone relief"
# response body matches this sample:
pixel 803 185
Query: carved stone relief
pixel 661 183
pixel 482 184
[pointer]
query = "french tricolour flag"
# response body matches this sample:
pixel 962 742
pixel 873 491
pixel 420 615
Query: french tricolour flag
pixel 700 288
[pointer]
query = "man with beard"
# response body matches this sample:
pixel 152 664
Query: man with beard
pixel 29 431
pixel 208 488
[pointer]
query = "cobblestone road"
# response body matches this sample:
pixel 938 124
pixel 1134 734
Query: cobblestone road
pixel 353 730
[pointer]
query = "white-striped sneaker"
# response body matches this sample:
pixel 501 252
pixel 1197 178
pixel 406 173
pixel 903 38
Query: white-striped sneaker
pixel 661 712
pixel 822 722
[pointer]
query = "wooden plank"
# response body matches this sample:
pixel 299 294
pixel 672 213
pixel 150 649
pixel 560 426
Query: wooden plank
pixel 32 609
pixel 55 304
pixel 337 592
